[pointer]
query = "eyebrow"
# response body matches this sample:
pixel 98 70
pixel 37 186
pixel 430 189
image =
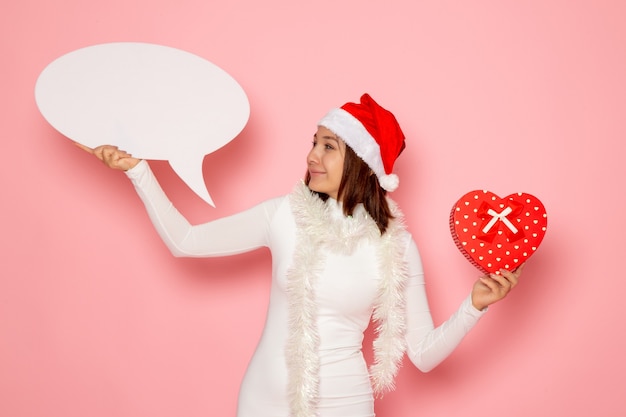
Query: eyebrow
pixel 327 137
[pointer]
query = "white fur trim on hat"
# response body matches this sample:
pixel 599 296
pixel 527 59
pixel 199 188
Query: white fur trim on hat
pixel 354 134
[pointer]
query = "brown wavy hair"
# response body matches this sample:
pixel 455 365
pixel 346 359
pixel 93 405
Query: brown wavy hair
pixel 359 185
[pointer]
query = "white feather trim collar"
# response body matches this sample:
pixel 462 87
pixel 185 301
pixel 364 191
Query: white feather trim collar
pixel 319 228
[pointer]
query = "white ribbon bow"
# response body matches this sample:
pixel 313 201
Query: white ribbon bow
pixel 500 216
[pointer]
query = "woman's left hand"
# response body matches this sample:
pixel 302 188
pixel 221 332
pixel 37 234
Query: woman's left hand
pixel 493 287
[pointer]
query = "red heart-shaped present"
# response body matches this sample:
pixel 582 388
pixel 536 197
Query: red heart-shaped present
pixel 494 232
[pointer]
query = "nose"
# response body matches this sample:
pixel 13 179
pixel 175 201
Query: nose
pixel 312 157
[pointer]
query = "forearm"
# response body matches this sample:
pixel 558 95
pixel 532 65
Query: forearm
pixel 428 346
pixel 231 235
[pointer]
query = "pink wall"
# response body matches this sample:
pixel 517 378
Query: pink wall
pixel 97 319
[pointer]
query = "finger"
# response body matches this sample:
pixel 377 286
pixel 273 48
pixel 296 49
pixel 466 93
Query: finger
pixel 111 152
pixel 502 281
pixel 518 271
pixel 109 156
pixel 83 147
pixel 123 154
pixel 99 153
pixel 106 154
pixel 491 283
pixel 507 275
pixel 514 276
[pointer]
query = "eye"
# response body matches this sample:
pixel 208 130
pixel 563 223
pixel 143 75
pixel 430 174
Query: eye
pixel 329 146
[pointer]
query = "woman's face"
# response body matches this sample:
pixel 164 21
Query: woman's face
pixel 325 162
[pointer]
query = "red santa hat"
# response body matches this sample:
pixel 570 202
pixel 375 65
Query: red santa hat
pixel 373 133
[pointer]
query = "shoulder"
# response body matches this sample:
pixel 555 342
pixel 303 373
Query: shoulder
pixel 273 205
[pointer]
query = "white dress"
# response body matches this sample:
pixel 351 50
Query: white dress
pixel 345 293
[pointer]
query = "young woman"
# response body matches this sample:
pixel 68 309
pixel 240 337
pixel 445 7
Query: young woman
pixel 341 257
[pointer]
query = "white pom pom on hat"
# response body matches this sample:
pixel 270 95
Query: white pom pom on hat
pixel 373 133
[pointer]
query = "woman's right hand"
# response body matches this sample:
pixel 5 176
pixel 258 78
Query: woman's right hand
pixel 111 156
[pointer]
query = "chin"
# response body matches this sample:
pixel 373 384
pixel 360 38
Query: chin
pixel 313 188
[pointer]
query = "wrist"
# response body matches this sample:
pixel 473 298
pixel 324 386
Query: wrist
pixel 478 306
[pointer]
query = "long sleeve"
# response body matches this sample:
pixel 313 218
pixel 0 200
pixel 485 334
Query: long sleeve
pixel 427 345
pixel 230 235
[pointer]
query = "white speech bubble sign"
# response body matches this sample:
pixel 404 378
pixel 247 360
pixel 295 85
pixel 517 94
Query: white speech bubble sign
pixel 153 101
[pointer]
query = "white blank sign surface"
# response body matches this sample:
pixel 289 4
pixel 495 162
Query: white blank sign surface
pixel 153 101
